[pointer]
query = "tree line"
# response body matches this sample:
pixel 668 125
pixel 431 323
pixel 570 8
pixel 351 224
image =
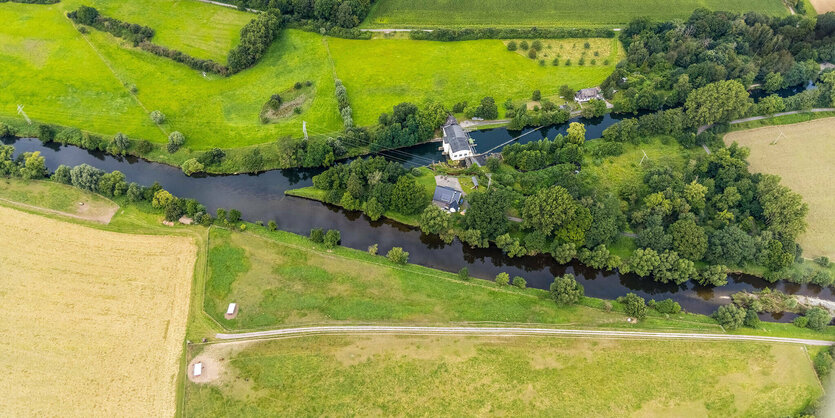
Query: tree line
pixel 326 14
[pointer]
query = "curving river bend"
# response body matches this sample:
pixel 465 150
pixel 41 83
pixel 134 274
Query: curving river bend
pixel 261 197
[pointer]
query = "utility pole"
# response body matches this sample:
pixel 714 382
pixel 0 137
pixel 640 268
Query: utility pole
pixel 304 129
pixel 645 157
pixel 21 112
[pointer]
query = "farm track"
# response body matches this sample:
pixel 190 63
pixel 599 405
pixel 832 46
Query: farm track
pixel 505 332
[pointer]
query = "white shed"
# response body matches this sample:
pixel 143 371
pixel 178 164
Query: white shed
pixel 198 369
pixel 231 309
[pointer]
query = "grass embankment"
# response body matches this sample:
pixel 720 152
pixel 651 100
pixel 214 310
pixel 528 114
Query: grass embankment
pixel 381 73
pixel 96 319
pixel 803 155
pixel 60 198
pixel 550 13
pixel 452 376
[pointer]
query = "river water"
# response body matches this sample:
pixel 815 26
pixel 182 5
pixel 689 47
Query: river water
pixel 261 197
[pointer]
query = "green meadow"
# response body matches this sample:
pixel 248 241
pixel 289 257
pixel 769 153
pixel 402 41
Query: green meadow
pixel 547 13
pixel 380 73
pixel 198 29
pixel 391 375
pixel 103 85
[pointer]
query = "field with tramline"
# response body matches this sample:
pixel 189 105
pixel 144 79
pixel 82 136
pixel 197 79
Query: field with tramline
pixel 94 321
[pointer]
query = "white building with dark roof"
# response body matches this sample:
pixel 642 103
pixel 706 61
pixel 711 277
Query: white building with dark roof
pixel 456 141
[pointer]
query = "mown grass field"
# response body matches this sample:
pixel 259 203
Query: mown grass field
pixel 546 13
pixel 60 198
pixel 95 320
pixel 804 157
pixel 195 28
pixel 381 73
pixel 458 376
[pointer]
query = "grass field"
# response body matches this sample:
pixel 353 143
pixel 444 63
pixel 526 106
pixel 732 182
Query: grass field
pixel 384 72
pixel 463 376
pixel 612 172
pixel 60 198
pixel 805 160
pixel 65 78
pixel 95 320
pixel 195 28
pixel 823 6
pixel 546 13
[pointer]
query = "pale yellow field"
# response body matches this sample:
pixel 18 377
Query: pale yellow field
pixel 805 159
pixel 823 6
pixel 93 322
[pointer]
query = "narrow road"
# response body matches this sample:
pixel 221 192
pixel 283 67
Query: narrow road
pixel 507 332
pixel 231 6
pixel 753 118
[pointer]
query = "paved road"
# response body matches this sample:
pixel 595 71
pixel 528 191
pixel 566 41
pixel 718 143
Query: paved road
pixel 503 331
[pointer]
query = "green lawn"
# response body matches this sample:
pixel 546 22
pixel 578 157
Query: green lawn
pixel 57 197
pixel 520 376
pixel 381 73
pixel 547 13
pixel 198 29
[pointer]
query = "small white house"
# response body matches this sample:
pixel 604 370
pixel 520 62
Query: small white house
pixel 198 369
pixel 456 141
pixel 231 311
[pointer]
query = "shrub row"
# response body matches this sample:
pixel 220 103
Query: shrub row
pixel 256 37
pixel 183 58
pixel 31 1
pixel 509 33
pixel 129 31
pixel 328 29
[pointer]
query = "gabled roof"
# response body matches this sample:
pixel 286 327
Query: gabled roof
pixel 447 197
pixel 457 139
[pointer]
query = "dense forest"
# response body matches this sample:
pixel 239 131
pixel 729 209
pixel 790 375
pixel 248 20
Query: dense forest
pixel 667 60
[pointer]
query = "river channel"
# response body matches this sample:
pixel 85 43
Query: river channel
pixel 261 197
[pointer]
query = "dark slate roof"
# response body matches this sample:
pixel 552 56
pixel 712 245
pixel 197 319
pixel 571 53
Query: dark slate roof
pixel 588 93
pixel 447 197
pixel 457 139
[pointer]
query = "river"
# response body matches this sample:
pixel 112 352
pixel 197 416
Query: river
pixel 261 197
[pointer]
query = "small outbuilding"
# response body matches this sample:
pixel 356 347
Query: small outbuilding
pixel 231 311
pixel 475 182
pixel 585 95
pixel 198 369
pixel 447 199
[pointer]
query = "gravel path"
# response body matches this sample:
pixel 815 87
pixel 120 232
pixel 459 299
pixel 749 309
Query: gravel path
pixel 495 331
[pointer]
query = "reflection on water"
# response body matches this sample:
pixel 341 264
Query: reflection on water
pixel 261 197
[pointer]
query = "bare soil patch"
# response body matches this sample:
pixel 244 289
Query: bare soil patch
pixel 95 320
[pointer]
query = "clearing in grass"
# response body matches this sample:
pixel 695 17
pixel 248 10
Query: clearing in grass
pixel 547 13
pixel 381 73
pixel 502 376
pixel 803 155
pixel 95 320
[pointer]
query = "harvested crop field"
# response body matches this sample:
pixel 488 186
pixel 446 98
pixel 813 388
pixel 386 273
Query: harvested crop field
pixel 805 159
pixel 823 6
pixel 93 321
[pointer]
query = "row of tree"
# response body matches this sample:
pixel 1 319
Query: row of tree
pixel 131 32
pixel 339 13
